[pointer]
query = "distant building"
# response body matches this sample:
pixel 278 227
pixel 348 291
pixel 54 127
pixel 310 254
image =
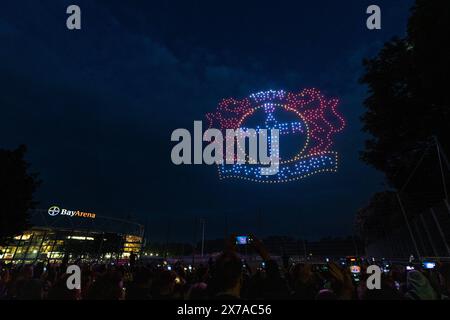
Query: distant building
pixel 57 233
pixel 327 247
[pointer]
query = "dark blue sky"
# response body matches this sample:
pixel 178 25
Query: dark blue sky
pixel 96 107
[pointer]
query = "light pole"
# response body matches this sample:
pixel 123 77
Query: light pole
pixel 202 221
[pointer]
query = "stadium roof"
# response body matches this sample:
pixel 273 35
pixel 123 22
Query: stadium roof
pixel 41 218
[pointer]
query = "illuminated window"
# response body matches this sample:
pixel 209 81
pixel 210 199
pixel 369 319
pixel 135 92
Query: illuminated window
pixel 25 236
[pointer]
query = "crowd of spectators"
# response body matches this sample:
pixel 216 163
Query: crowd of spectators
pixel 226 277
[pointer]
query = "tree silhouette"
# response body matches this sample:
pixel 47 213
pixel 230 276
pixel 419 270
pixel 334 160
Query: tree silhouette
pixel 408 102
pixel 17 186
pixel 408 105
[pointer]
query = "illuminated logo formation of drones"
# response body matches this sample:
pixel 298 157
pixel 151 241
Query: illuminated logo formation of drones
pixel 307 122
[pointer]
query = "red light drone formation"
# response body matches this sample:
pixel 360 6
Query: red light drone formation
pixel 307 122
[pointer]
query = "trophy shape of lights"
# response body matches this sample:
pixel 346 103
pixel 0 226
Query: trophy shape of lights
pixel 307 122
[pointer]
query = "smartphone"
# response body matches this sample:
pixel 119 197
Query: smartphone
pixel 429 265
pixel 409 268
pixel 355 269
pixel 242 240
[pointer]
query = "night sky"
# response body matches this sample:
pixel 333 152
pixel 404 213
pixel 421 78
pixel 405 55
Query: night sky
pixel 96 107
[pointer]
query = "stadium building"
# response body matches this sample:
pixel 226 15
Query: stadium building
pixel 57 232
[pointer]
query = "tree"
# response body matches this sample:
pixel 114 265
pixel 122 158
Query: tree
pixel 17 187
pixel 408 105
pixel 383 210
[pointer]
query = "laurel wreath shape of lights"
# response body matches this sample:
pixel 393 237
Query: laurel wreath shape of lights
pixel 321 122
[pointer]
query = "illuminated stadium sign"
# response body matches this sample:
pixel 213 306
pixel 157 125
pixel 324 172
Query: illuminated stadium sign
pixel 56 210
pixel 307 122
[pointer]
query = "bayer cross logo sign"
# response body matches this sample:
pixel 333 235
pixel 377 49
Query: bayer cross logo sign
pixel 54 210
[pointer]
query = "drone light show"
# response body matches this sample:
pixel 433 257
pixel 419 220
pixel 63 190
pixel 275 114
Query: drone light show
pixel 307 122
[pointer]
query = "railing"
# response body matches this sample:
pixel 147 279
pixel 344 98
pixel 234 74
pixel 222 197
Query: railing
pixel 430 231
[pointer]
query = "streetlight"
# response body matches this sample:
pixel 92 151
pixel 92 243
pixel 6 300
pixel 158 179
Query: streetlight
pixel 202 221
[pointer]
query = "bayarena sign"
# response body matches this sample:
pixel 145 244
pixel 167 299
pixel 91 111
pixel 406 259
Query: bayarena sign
pixel 56 210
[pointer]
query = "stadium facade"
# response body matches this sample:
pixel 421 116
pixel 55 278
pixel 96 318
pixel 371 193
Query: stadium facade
pixel 57 233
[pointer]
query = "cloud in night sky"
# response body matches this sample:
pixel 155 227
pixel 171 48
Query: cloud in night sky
pixel 96 107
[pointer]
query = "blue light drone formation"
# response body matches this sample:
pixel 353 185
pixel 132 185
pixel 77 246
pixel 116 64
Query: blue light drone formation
pixel 307 122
